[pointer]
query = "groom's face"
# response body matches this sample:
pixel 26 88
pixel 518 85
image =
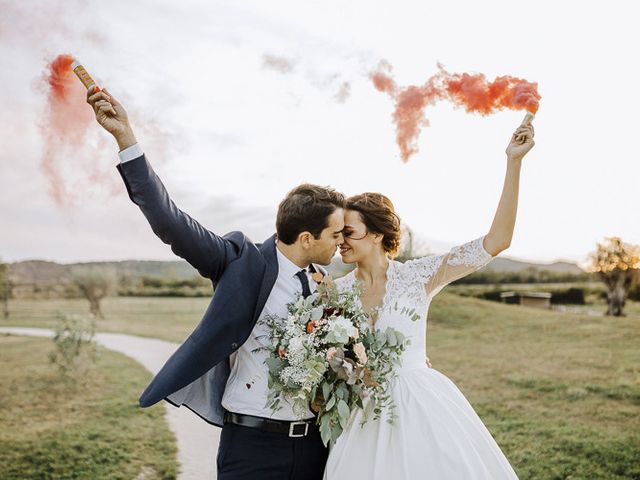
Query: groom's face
pixel 324 248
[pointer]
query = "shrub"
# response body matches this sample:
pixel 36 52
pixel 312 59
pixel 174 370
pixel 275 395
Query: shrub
pixel 74 349
pixel 571 295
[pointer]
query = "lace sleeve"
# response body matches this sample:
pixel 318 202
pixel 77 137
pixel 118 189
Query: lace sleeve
pixel 459 262
pixel 437 271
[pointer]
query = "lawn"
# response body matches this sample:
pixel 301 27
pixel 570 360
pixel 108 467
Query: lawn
pixel 91 429
pixel 559 391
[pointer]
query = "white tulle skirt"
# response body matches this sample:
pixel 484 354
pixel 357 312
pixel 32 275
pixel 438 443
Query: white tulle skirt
pixel 437 436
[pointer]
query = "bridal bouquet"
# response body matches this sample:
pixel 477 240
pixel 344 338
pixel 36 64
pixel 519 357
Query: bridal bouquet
pixel 326 357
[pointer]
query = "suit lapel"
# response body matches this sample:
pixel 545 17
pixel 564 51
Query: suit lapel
pixel 268 250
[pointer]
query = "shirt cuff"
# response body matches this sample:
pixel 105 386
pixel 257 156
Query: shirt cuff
pixel 129 153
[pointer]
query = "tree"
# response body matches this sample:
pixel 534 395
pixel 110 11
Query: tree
pixel 5 288
pixel 618 265
pixel 94 286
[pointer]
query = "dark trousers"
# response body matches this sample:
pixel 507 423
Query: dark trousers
pixel 253 454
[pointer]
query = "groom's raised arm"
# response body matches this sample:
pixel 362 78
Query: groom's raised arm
pixel 205 251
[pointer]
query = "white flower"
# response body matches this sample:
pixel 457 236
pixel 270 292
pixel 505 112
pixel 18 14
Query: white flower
pixel 296 350
pixel 341 322
pixel 341 328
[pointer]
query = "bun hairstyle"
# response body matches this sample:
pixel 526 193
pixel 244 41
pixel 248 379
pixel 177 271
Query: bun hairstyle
pixel 379 216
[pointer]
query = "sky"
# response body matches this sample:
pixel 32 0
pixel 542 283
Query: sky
pixel 235 103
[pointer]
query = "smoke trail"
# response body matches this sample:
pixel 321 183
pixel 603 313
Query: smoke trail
pixel 65 124
pixel 471 91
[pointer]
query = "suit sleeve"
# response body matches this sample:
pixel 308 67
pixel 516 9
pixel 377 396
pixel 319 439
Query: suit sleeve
pixel 205 251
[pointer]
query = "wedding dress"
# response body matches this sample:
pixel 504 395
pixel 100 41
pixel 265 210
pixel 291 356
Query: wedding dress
pixel 436 435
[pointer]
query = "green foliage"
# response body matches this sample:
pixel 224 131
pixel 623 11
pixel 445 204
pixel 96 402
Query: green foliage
pixel 634 293
pixel 5 288
pixel 559 296
pixel 74 347
pixel 165 287
pixel 4 279
pixel 528 275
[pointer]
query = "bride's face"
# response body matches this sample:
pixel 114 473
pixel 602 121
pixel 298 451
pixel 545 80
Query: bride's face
pixel 358 241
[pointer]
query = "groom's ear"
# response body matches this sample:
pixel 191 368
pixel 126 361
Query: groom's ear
pixel 305 239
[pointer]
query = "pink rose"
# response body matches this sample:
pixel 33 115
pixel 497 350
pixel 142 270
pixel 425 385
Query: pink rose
pixel 331 353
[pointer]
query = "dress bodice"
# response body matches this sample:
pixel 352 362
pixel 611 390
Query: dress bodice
pixel 411 286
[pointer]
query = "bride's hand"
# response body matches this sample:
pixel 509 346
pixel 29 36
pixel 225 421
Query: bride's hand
pixel 521 142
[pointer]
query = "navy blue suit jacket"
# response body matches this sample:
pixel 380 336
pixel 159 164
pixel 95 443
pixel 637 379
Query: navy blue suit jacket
pixel 242 273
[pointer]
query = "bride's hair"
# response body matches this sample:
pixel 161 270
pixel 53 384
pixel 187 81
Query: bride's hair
pixel 379 216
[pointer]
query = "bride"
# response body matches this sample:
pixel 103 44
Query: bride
pixel 436 434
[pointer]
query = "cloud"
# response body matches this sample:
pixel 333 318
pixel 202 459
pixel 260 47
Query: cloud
pixel 343 92
pixel 279 64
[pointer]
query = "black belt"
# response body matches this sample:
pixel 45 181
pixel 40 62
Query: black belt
pixel 300 428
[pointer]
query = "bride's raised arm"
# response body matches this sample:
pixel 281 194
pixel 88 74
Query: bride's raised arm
pixel 501 231
pixel 440 270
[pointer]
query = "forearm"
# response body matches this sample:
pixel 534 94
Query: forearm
pixel 501 231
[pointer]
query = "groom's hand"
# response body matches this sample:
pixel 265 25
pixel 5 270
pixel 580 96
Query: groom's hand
pixel 112 116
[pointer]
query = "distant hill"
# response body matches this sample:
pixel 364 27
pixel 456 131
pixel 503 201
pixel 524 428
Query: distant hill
pixel 34 271
pixel 505 264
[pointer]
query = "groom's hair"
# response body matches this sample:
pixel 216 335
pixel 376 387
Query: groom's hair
pixel 306 208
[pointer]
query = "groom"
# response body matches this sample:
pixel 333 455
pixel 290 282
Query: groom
pixel 217 371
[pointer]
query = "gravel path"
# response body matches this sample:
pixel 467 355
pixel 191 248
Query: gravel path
pixel 197 441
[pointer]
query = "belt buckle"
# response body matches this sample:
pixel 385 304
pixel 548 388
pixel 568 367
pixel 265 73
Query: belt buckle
pixel 292 425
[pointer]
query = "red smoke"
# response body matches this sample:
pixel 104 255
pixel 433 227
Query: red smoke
pixel 65 124
pixel 471 91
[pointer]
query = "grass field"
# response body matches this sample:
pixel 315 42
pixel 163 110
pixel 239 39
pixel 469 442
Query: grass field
pixel 94 430
pixel 559 391
pixel 160 317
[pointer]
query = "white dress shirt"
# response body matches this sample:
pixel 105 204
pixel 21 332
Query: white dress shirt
pixel 247 388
